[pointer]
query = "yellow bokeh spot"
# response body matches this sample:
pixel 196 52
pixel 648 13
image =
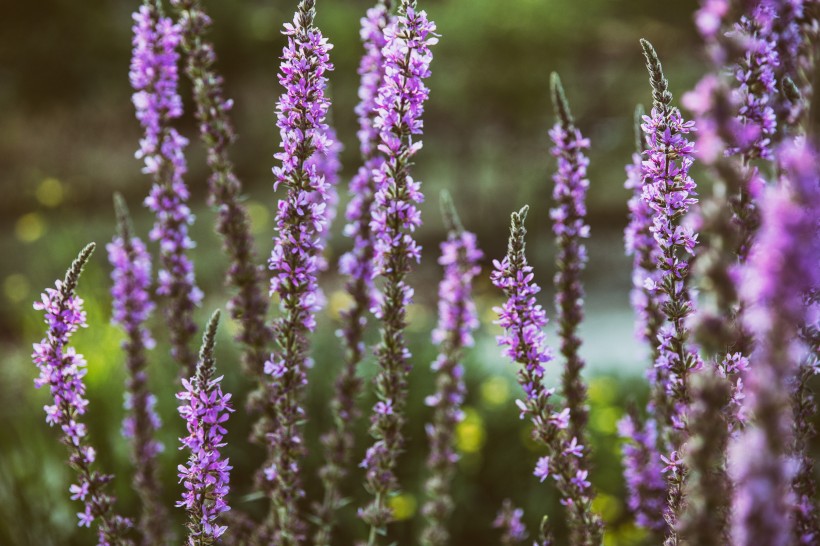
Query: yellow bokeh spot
pixel 605 419
pixel 50 192
pixel 339 301
pixel 16 287
pixel 470 433
pixel 30 227
pixel 602 390
pixel 495 391
pixel 259 216
pixel 608 506
pixel 488 317
pixel 627 534
pixel 403 506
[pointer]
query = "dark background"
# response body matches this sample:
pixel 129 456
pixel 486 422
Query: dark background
pixel 67 141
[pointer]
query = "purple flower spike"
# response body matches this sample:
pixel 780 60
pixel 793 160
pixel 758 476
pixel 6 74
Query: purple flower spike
pixel 782 269
pixel 568 217
pixel 513 530
pixel 457 321
pixel 154 79
pixel 400 105
pixel 357 266
pixel 670 192
pixel 62 369
pixel 523 321
pixel 206 477
pixel 248 306
pixel 643 472
pixel 131 283
pixel 301 222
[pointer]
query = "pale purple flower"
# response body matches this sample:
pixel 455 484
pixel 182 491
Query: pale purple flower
pixel 645 484
pixel 132 306
pixel 62 369
pixel 395 216
pixel 295 261
pixel 570 228
pixel 206 476
pixel 782 268
pixel 154 78
pixel 542 468
pixel 457 321
pixel 509 521
pixel 248 305
pixel 523 320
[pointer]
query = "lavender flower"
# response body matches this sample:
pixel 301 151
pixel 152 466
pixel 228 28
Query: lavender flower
pixel 756 75
pixel 154 79
pixel 457 321
pixel 131 283
pixel 781 270
pixel 568 216
pixel 357 266
pixel 295 260
pixel 248 306
pixel 523 321
pixel 206 476
pixel 704 519
pixel 62 369
pixel 509 521
pixel 670 192
pixel 400 105
pixel 646 487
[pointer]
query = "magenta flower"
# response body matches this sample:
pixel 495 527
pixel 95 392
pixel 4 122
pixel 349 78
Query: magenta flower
pixel 154 78
pixel 206 476
pixel 62 369
pixel 643 471
pixel 509 521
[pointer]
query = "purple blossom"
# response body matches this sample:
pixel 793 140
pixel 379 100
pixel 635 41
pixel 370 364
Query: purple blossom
pixel 395 216
pixel 542 468
pixel 645 484
pixel 62 369
pixel 154 78
pixel 782 268
pixel 132 306
pixel 523 320
pixel 670 192
pixel 248 306
pixel 206 476
pixel 570 228
pixel 457 321
pixel 295 262
pixel 509 521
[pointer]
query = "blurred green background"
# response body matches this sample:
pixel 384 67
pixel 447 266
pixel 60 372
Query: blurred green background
pixel 67 141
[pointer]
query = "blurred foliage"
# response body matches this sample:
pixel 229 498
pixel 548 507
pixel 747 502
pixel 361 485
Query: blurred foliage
pixel 67 141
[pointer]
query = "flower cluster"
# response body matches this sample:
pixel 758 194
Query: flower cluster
pixel 249 305
pixel 643 472
pixel 205 409
pixel 513 530
pixel 457 321
pixel 670 192
pixel 523 321
pixel 782 269
pixel 399 105
pixel 154 78
pixel 357 266
pixel 132 306
pixel 569 217
pixel 296 258
pixel 62 369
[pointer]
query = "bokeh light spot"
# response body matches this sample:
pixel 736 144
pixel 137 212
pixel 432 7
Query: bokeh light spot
pixel 30 227
pixel 470 433
pixel 16 287
pixel 259 216
pixel 495 391
pixel 50 192
pixel 339 301
pixel 403 506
